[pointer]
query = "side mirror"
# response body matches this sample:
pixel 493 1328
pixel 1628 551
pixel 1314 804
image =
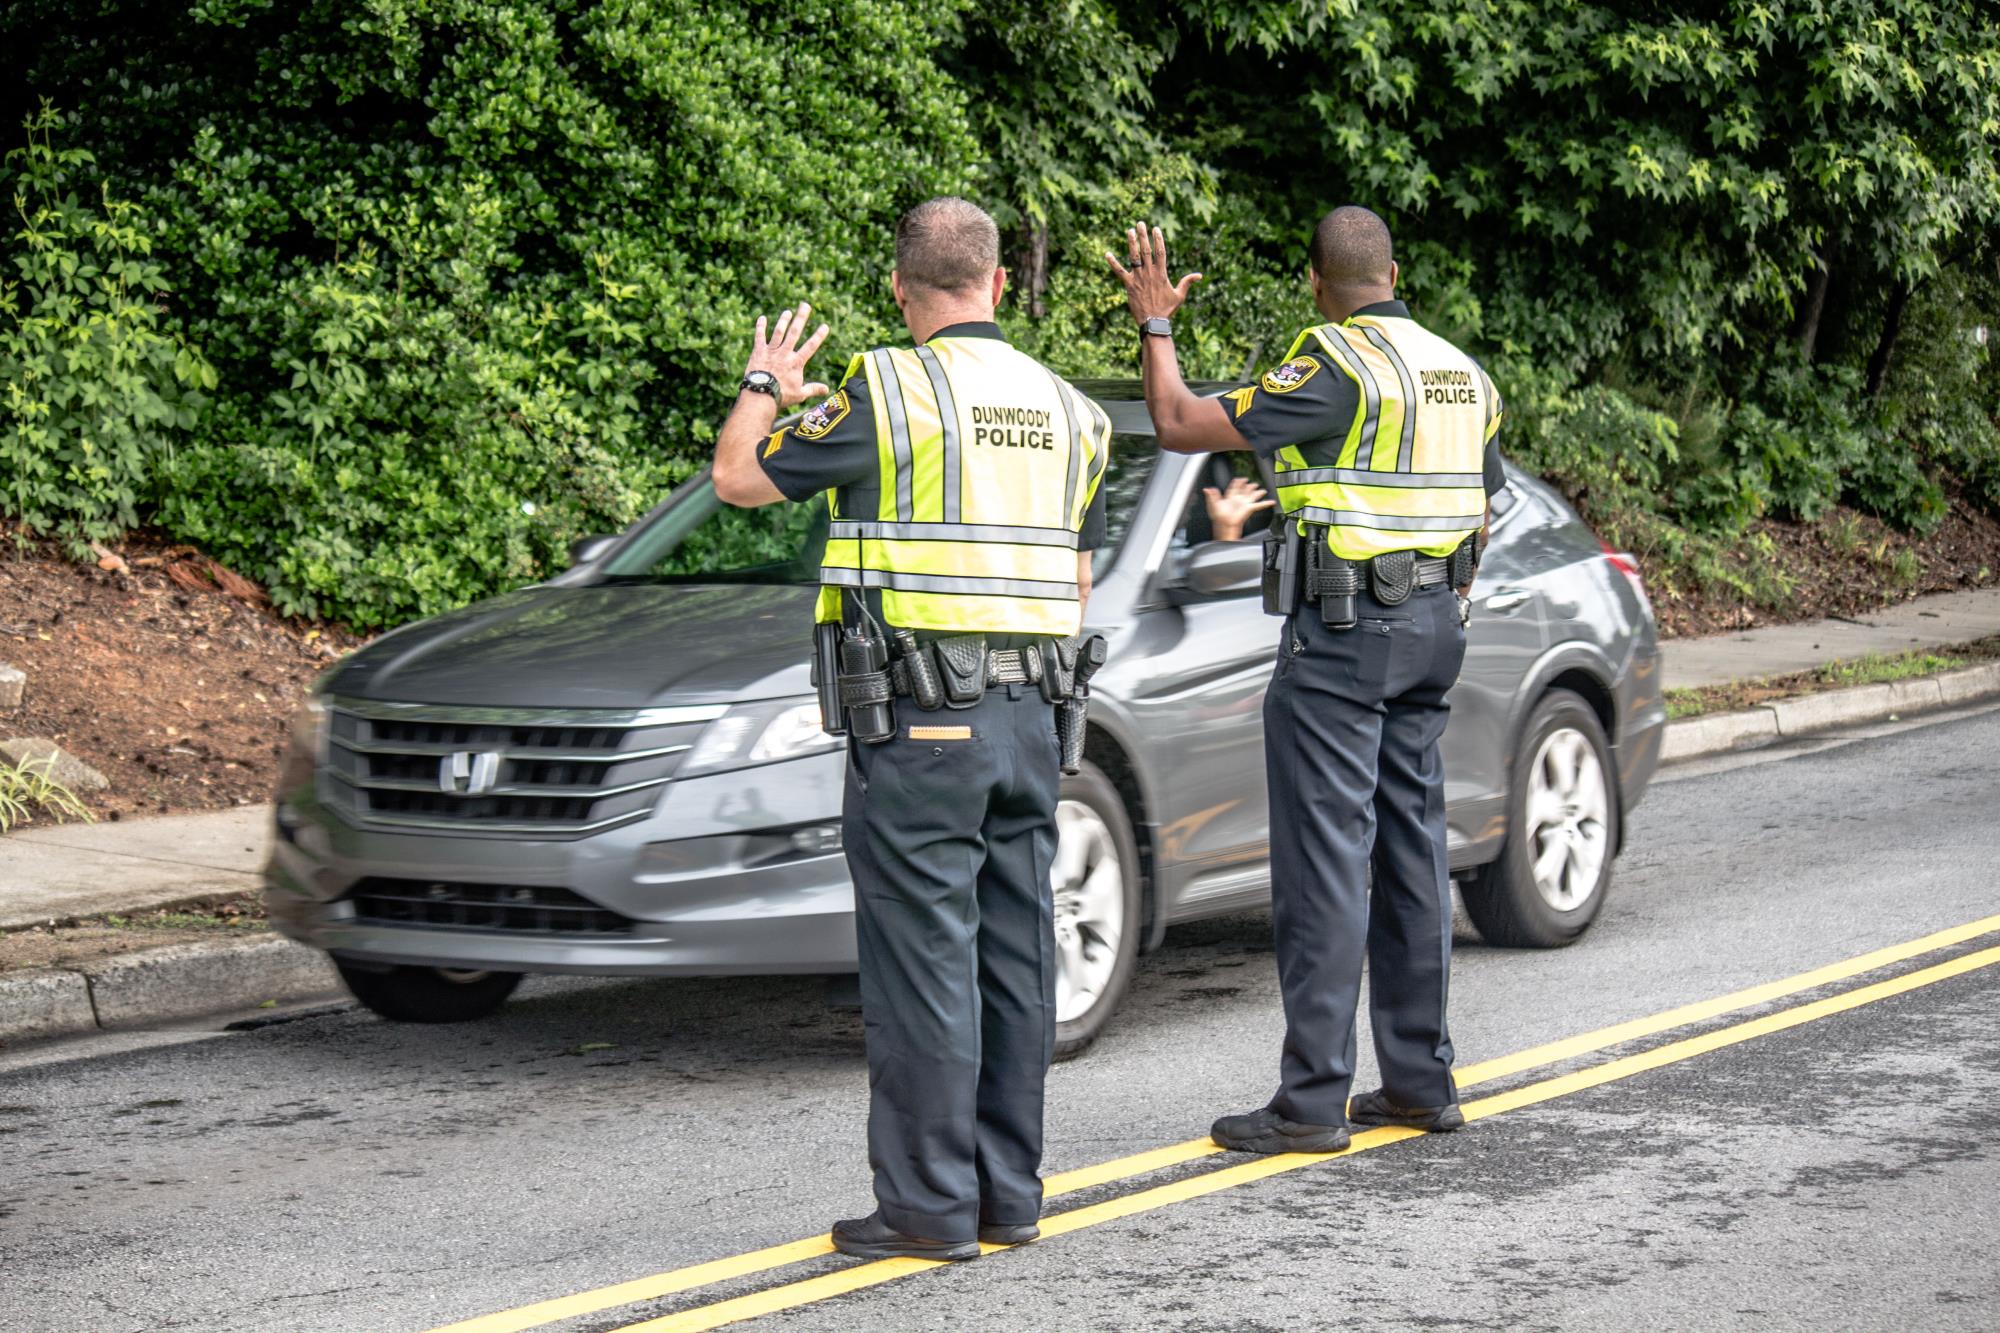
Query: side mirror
pixel 586 549
pixel 1224 569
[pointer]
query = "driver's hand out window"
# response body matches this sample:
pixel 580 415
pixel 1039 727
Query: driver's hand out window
pixel 1229 510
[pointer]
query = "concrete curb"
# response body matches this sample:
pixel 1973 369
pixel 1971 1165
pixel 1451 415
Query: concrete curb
pixel 1719 733
pixel 165 985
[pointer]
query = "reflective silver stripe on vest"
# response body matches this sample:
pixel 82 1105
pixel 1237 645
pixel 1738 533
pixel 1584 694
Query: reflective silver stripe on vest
pixel 1075 456
pixel 1408 449
pixel 899 430
pixel 1102 457
pixel 1354 518
pixel 1400 481
pixel 949 583
pixel 948 416
pixel 847 530
pixel 1371 399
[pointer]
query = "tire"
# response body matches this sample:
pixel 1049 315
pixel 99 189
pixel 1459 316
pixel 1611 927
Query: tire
pixel 427 994
pixel 1563 812
pixel 1095 879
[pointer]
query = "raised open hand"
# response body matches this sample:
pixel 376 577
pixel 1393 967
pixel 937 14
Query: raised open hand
pixel 1149 293
pixel 1229 510
pixel 784 356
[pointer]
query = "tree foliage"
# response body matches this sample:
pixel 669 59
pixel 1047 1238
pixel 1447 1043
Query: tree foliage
pixel 471 280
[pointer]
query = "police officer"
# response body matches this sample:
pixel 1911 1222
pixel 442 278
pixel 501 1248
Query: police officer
pixel 963 479
pixel 1382 438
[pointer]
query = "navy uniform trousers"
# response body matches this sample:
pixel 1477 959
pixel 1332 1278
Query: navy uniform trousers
pixel 950 839
pixel 1352 722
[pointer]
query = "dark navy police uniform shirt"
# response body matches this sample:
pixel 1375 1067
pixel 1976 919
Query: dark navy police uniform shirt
pixel 1325 405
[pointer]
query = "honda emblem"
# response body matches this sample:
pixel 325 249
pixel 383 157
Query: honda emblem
pixel 469 772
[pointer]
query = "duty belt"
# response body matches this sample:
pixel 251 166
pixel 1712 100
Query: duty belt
pixel 1429 572
pixel 1004 666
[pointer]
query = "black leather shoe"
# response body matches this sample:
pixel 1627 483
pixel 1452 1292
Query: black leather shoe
pixel 871 1238
pixel 1375 1108
pixel 1265 1131
pixel 1007 1233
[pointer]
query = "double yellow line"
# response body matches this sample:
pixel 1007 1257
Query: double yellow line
pixel 861 1276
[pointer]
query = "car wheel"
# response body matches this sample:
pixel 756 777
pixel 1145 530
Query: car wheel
pixel 427 994
pixel 1095 880
pixel 1554 871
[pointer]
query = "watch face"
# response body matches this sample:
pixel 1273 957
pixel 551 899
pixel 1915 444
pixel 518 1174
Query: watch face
pixel 761 377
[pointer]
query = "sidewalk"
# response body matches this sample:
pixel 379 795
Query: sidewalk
pixel 53 873
pixel 1927 622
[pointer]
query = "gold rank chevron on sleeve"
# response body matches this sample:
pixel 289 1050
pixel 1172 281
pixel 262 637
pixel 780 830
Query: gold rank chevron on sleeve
pixel 988 463
pixel 1407 476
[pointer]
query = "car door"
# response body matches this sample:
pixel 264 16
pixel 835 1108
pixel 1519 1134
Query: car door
pixel 1502 644
pixel 1211 658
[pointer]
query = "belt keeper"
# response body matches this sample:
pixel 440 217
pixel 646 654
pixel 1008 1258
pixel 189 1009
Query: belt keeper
pixel 860 691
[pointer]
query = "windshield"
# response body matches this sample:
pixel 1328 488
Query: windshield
pixel 699 539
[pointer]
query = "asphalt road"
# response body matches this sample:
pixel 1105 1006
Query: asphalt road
pixel 339 1173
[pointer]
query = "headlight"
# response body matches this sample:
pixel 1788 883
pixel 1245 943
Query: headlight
pixel 310 726
pixel 759 733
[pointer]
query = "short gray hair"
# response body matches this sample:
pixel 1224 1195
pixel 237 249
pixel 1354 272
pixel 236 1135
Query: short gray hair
pixel 947 244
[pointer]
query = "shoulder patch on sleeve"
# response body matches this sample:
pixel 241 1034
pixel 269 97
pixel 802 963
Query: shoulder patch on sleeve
pixel 1285 378
pixel 824 417
pixel 1242 398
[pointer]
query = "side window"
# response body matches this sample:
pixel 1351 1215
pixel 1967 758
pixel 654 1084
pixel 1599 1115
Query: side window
pixel 1198 519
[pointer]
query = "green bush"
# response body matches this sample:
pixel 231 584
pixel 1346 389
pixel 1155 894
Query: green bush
pixel 1944 393
pixel 477 280
pixel 474 280
pixel 96 382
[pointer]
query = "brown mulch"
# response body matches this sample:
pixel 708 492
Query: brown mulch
pixel 86 941
pixel 165 672
pixel 1843 566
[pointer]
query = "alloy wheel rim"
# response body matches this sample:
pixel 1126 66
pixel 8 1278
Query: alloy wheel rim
pixel 1568 819
pixel 1088 881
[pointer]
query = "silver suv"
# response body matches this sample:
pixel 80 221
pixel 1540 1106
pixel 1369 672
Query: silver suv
pixel 621 771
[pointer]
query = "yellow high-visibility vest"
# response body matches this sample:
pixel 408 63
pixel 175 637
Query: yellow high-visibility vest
pixel 988 465
pixel 1408 475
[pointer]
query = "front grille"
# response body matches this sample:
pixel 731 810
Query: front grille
pixel 518 908
pixel 504 771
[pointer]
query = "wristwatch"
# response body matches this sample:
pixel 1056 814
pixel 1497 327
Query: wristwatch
pixel 759 381
pixel 1159 326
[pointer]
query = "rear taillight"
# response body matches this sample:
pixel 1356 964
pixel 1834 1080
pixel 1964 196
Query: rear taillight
pixel 1627 565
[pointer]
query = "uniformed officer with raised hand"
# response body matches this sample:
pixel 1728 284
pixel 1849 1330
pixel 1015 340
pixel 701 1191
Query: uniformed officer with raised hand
pixel 1382 438
pixel 963 486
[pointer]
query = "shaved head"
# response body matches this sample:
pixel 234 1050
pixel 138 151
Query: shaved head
pixel 1351 250
pixel 947 245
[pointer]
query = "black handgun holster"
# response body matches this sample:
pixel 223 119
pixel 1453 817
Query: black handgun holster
pixel 1284 554
pixel 826 678
pixel 1083 658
